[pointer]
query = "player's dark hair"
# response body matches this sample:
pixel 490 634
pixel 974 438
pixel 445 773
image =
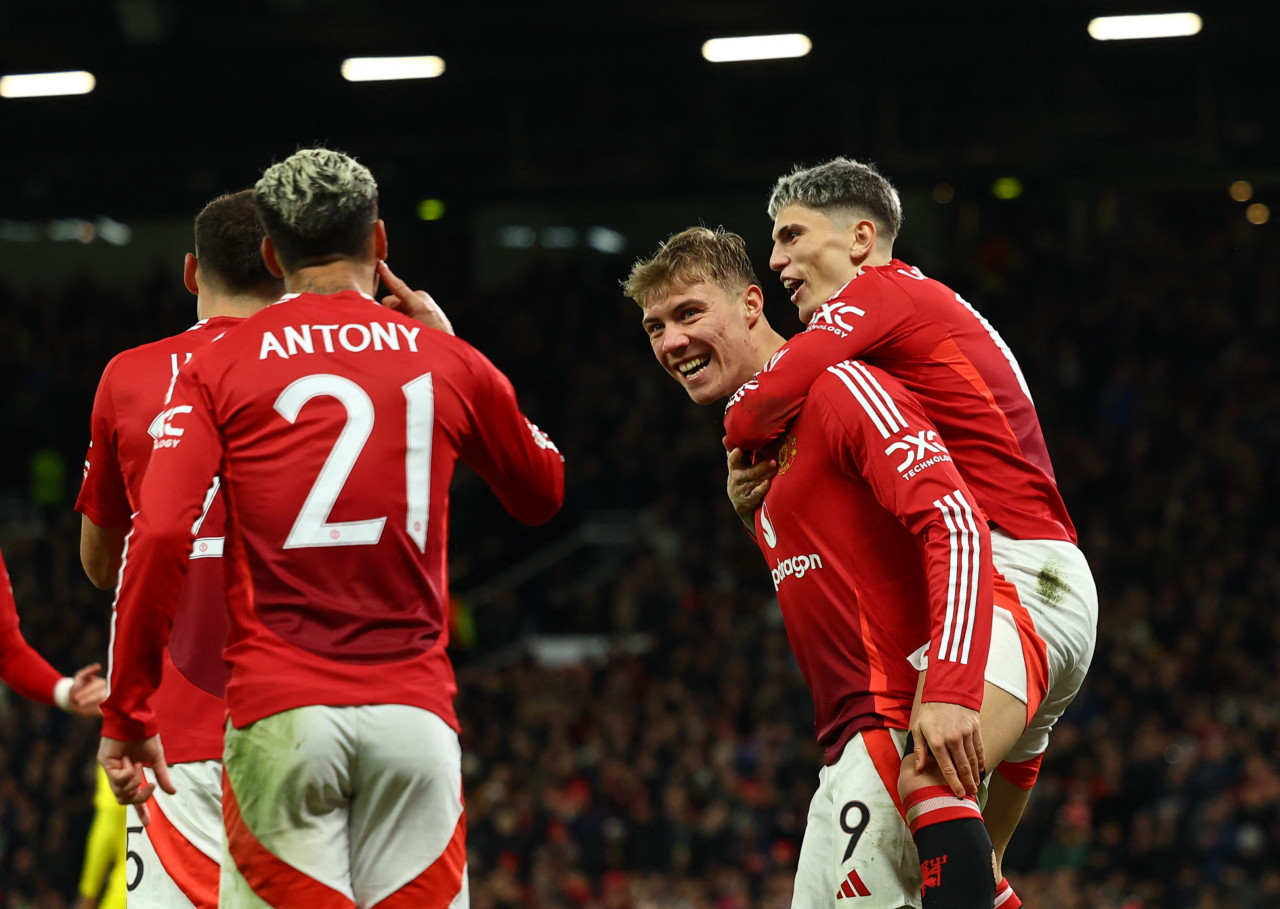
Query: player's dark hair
pixel 695 255
pixel 841 184
pixel 317 205
pixel 228 237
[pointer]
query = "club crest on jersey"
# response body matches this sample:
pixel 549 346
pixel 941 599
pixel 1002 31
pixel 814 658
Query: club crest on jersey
pixel 787 453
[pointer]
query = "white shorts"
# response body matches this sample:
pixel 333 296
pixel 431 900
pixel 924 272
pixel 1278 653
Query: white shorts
pixel 1056 587
pixel 334 806
pixel 856 843
pixel 175 860
pixel 1041 646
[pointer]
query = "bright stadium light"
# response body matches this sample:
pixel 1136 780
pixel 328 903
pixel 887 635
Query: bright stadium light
pixel 46 85
pixel 1158 25
pixel 383 69
pixel 756 47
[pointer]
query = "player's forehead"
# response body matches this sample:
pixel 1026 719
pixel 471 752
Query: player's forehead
pixel 667 302
pixel 797 214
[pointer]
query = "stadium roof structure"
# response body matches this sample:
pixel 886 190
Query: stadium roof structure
pixel 578 99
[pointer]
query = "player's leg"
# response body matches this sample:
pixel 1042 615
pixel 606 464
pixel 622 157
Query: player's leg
pixel 957 858
pixel 1008 790
pixel 870 856
pixel 107 868
pixel 408 826
pixel 286 780
pixel 176 859
pixel 1056 592
pixel 815 881
pixel 956 843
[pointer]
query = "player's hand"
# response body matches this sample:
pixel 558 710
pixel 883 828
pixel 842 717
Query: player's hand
pixel 748 483
pixel 88 690
pixel 123 762
pixel 416 304
pixel 954 735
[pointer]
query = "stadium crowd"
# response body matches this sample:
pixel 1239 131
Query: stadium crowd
pixel 678 774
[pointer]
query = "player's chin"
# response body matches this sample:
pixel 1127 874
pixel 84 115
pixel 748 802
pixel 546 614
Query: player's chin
pixel 705 393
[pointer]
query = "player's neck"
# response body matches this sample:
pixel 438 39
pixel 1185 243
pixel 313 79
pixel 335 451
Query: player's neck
pixel 236 306
pixel 332 277
pixel 768 345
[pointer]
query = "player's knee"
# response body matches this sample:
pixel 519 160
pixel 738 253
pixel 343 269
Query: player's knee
pixel 911 780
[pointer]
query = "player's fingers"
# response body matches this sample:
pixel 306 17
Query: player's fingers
pixel 921 752
pixel 124 787
pixel 389 278
pixel 163 779
pixel 957 772
pixel 765 467
pixel 144 814
pixel 90 670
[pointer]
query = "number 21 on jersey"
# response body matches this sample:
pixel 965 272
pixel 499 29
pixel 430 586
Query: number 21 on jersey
pixel 312 526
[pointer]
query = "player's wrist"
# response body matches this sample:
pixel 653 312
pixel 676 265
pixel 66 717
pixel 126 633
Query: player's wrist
pixel 62 693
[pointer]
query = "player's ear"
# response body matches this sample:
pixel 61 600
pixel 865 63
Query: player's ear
pixel 270 259
pixel 753 301
pixel 189 265
pixel 862 239
pixel 380 239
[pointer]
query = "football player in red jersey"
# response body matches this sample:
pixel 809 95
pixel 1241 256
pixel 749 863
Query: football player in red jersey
pixel 334 424
pixel 30 675
pixel 834 228
pixel 179 850
pixel 865 490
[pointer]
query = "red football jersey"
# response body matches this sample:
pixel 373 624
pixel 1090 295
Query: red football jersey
pixel 131 393
pixel 334 425
pixel 22 669
pixel 876 549
pixel 948 355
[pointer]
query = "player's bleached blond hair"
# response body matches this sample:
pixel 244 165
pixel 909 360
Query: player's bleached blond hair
pixel 841 184
pixel 694 255
pixel 315 204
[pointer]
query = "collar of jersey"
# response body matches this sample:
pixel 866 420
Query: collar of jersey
pixel 288 297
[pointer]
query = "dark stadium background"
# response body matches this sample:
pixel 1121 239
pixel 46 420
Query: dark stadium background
pixel 636 734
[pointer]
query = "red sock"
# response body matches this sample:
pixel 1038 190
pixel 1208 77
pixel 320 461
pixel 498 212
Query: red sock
pixel 1005 897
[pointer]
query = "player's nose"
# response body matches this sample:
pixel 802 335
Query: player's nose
pixel 777 259
pixel 674 338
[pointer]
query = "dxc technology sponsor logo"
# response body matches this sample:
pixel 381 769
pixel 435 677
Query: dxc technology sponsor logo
pixel 921 450
pixel 834 317
pixel 167 435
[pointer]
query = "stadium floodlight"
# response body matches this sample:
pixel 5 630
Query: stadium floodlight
pixel 383 69
pixel 46 85
pixel 1157 25
pixel 756 47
